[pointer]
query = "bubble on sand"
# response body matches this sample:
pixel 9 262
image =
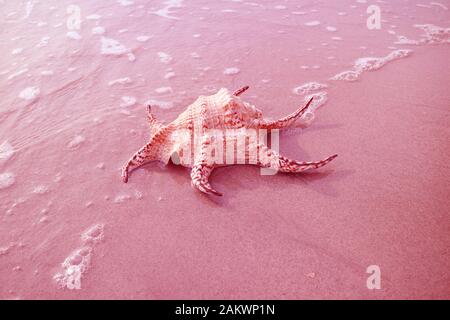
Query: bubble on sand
pixel 312 23
pixel 165 12
pixel 29 93
pixel 346 76
pixel 143 38
pixel 100 165
pixel 122 198
pixel 7 179
pixel 169 75
pixel 112 47
pixel 98 30
pixel 331 29
pixel 159 103
pixel 94 234
pixel 4 250
pixel 164 57
pixel 6 151
pixel 163 90
pixel 131 56
pixel 370 64
pixel 73 35
pixel 47 72
pixel 93 17
pixel 128 101
pixel 17 51
pixel 40 189
pixel 125 3
pixel 231 71
pixel 76 142
pixel 119 81
pixel 74 266
pixel 308 87
pixel 319 99
pixel 78 262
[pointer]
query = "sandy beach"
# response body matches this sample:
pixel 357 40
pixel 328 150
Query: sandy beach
pixel 75 79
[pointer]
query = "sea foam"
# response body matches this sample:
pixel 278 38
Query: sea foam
pixel 370 64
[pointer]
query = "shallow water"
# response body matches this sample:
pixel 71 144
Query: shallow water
pixel 72 111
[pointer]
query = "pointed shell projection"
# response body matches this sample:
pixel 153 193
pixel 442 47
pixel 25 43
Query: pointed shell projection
pixel 218 130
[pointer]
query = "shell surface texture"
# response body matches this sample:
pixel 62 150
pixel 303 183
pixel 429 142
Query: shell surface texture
pixel 218 130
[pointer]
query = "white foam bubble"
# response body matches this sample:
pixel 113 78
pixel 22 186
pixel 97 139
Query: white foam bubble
pixel 6 151
pixel 125 3
pixel 319 99
pixel 131 56
pixel 169 75
pixel 312 23
pixel 231 71
pixel 98 30
pixel 73 35
pixel 93 234
pixel 164 57
pixel 17 51
pixel 29 93
pixel 143 38
pixel 308 87
pixel 44 42
pixel 47 72
pixel 370 64
pixel 163 90
pixel 78 262
pixel 123 80
pixel 166 11
pixel 159 103
pixel 331 29
pixel 128 101
pixel 7 179
pixel 74 266
pixel 112 47
pixel 40 189
pixel 76 142
pixel 122 198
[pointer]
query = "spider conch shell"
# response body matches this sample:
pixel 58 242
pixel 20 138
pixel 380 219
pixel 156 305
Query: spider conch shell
pixel 217 130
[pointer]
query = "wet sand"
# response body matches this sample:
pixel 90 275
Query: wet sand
pixel 72 111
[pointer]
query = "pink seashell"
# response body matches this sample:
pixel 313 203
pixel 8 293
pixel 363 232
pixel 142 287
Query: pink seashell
pixel 217 130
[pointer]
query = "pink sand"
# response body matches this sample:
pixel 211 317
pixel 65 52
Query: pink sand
pixel 384 201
